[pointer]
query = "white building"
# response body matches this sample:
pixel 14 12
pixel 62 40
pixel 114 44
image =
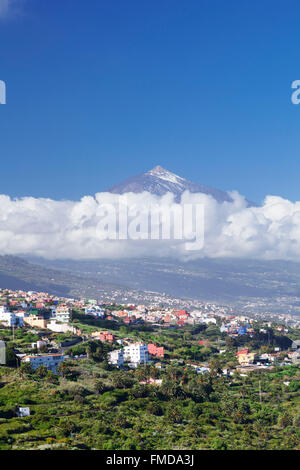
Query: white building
pixel 23 411
pixel 57 327
pixel 51 361
pixel 202 370
pixel 224 328
pixel 39 344
pixel 62 314
pixel 9 318
pixel 96 311
pixel 116 358
pixel 196 314
pixel 21 314
pixel 136 353
pixel 209 321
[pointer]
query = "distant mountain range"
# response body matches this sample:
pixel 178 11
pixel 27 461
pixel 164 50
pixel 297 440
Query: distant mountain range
pixel 160 181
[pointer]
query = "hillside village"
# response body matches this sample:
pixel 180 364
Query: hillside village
pixel 47 315
pixel 100 349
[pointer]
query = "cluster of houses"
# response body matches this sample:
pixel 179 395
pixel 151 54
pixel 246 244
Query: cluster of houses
pixel 250 360
pixel 232 325
pixel 50 361
pixel 36 309
pixel 43 311
pixel 166 317
pixel 9 318
pixel 235 328
pixel 30 308
pixel 59 321
pixel 95 311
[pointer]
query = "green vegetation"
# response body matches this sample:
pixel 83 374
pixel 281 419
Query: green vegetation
pixel 91 405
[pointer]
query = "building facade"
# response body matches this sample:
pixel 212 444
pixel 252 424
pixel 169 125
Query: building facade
pixel 116 358
pixel 51 361
pixel 155 350
pixel 136 353
pixel 35 321
pixel 9 318
pixel 62 314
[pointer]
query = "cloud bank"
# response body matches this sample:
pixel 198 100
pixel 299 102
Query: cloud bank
pixel 70 229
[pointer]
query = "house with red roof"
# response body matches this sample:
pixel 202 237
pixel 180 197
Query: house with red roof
pixel 103 336
pixel 155 350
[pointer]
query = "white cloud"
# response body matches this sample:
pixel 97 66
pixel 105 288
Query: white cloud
pixel 69 229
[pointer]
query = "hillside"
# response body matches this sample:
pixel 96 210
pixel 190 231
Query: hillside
pixel 18 274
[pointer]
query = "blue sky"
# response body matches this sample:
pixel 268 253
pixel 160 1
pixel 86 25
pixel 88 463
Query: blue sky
pixel 101 90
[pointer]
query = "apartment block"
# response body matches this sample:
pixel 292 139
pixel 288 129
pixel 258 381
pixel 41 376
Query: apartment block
pixel 51 361
pixel 62 314
pixel 136 353
pixel 116 358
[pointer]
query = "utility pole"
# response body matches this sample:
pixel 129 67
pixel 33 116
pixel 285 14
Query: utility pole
pixel 260 400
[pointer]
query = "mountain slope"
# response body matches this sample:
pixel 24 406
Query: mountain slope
pixel 18 274
pixel 271 285
pixel 159 181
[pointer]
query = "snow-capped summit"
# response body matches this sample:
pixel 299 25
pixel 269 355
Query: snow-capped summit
pixel 160 181
pixel 163 174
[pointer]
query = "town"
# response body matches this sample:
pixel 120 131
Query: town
pixel 46 316
pixel 105 347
